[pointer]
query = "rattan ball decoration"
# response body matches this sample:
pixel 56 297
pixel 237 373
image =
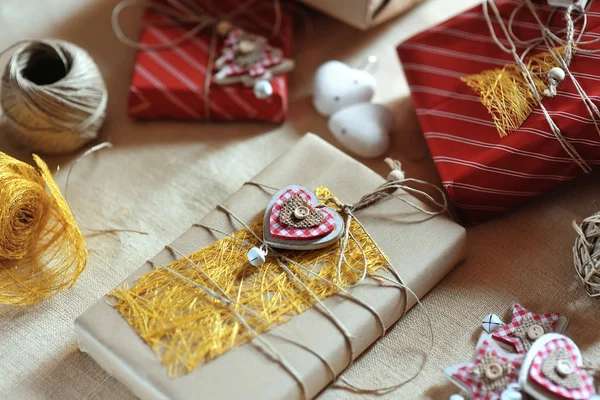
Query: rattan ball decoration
pixel 586 253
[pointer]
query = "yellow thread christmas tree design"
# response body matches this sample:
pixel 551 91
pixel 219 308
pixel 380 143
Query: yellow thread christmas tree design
pixel 505 93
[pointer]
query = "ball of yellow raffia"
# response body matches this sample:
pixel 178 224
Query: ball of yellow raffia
pixel 42 250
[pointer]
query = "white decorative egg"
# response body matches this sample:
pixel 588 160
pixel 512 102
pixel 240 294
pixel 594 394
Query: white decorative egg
pixel 337 86
pixel 364 129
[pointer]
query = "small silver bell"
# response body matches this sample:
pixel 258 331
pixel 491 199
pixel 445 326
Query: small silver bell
pixel 512 392
pixel 256 256
pixel 263 89
pixel 491 323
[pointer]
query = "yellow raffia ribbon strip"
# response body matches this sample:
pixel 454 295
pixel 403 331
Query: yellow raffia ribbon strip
pixel 505 93
pixel 185 327
pixel 42 250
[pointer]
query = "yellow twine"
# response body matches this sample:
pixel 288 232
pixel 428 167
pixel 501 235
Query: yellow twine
pixel 505 93
pixel 185 327
pixel 41 249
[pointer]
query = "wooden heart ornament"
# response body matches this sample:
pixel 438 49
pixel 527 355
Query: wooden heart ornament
pixel 552 370
pixel 293 221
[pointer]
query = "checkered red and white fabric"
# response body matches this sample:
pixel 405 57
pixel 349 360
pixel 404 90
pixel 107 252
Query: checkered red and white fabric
pixel 281 230
pixel 269 55
pixel 473 382
pixel 484 174
pixel 169 83
pixel 233 37
pixel 257 69
pixel 585 391
pixel 506 334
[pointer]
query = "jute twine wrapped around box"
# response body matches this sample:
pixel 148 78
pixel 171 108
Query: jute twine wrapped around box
pixel 186 327
pixel 586 253
pixel 213 300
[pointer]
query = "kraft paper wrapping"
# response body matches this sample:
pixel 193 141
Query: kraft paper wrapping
pixel 362 14
pixel 422 252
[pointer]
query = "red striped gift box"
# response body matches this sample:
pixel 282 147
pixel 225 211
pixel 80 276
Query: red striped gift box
pixel 483 173
pixel 169 83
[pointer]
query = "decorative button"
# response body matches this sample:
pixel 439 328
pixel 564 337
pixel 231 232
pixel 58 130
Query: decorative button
pixel 224 27
pixel 247 46
pixel 301 212
pixel 493 371
pixel 564 367
pixel 535 332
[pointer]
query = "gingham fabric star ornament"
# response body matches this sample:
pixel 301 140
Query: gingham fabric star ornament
pixel 249 59
pixel 552 370
pixel 526 327
pixel 491 373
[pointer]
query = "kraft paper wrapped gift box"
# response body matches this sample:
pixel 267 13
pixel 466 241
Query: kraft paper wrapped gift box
pixel 169 83
pixel 422 251
pixel 362 14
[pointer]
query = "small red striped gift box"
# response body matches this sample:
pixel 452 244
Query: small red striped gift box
pixel 486 174
pixel 171 83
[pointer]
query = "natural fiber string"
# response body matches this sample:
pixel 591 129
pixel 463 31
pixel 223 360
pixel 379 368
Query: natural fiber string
pixel 53 96
pixel 224 297
pixel 364 202
pixel 506 95
pixel 123 294
pixel 265 346
pixel 42 251
pixel 210 336
pixel 552 41
pixel 182 13
pixel 87 153
pixel 342 289
pixel 567 146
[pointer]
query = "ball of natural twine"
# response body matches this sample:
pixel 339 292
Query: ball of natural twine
pixel 586 253
pixel 53 96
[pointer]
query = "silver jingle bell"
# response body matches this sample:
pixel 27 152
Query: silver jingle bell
pixel 256 257
pixel 491 323
pixel 512 392
pixel 263 89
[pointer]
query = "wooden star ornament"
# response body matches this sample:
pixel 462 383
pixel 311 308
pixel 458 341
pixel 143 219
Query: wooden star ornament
pixel 526 327
pixel 491 373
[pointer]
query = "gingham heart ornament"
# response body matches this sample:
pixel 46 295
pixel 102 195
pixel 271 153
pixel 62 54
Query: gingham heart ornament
pixel 552 371
pixel 293 221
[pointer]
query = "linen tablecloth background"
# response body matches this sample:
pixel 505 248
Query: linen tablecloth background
pixel 160 177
